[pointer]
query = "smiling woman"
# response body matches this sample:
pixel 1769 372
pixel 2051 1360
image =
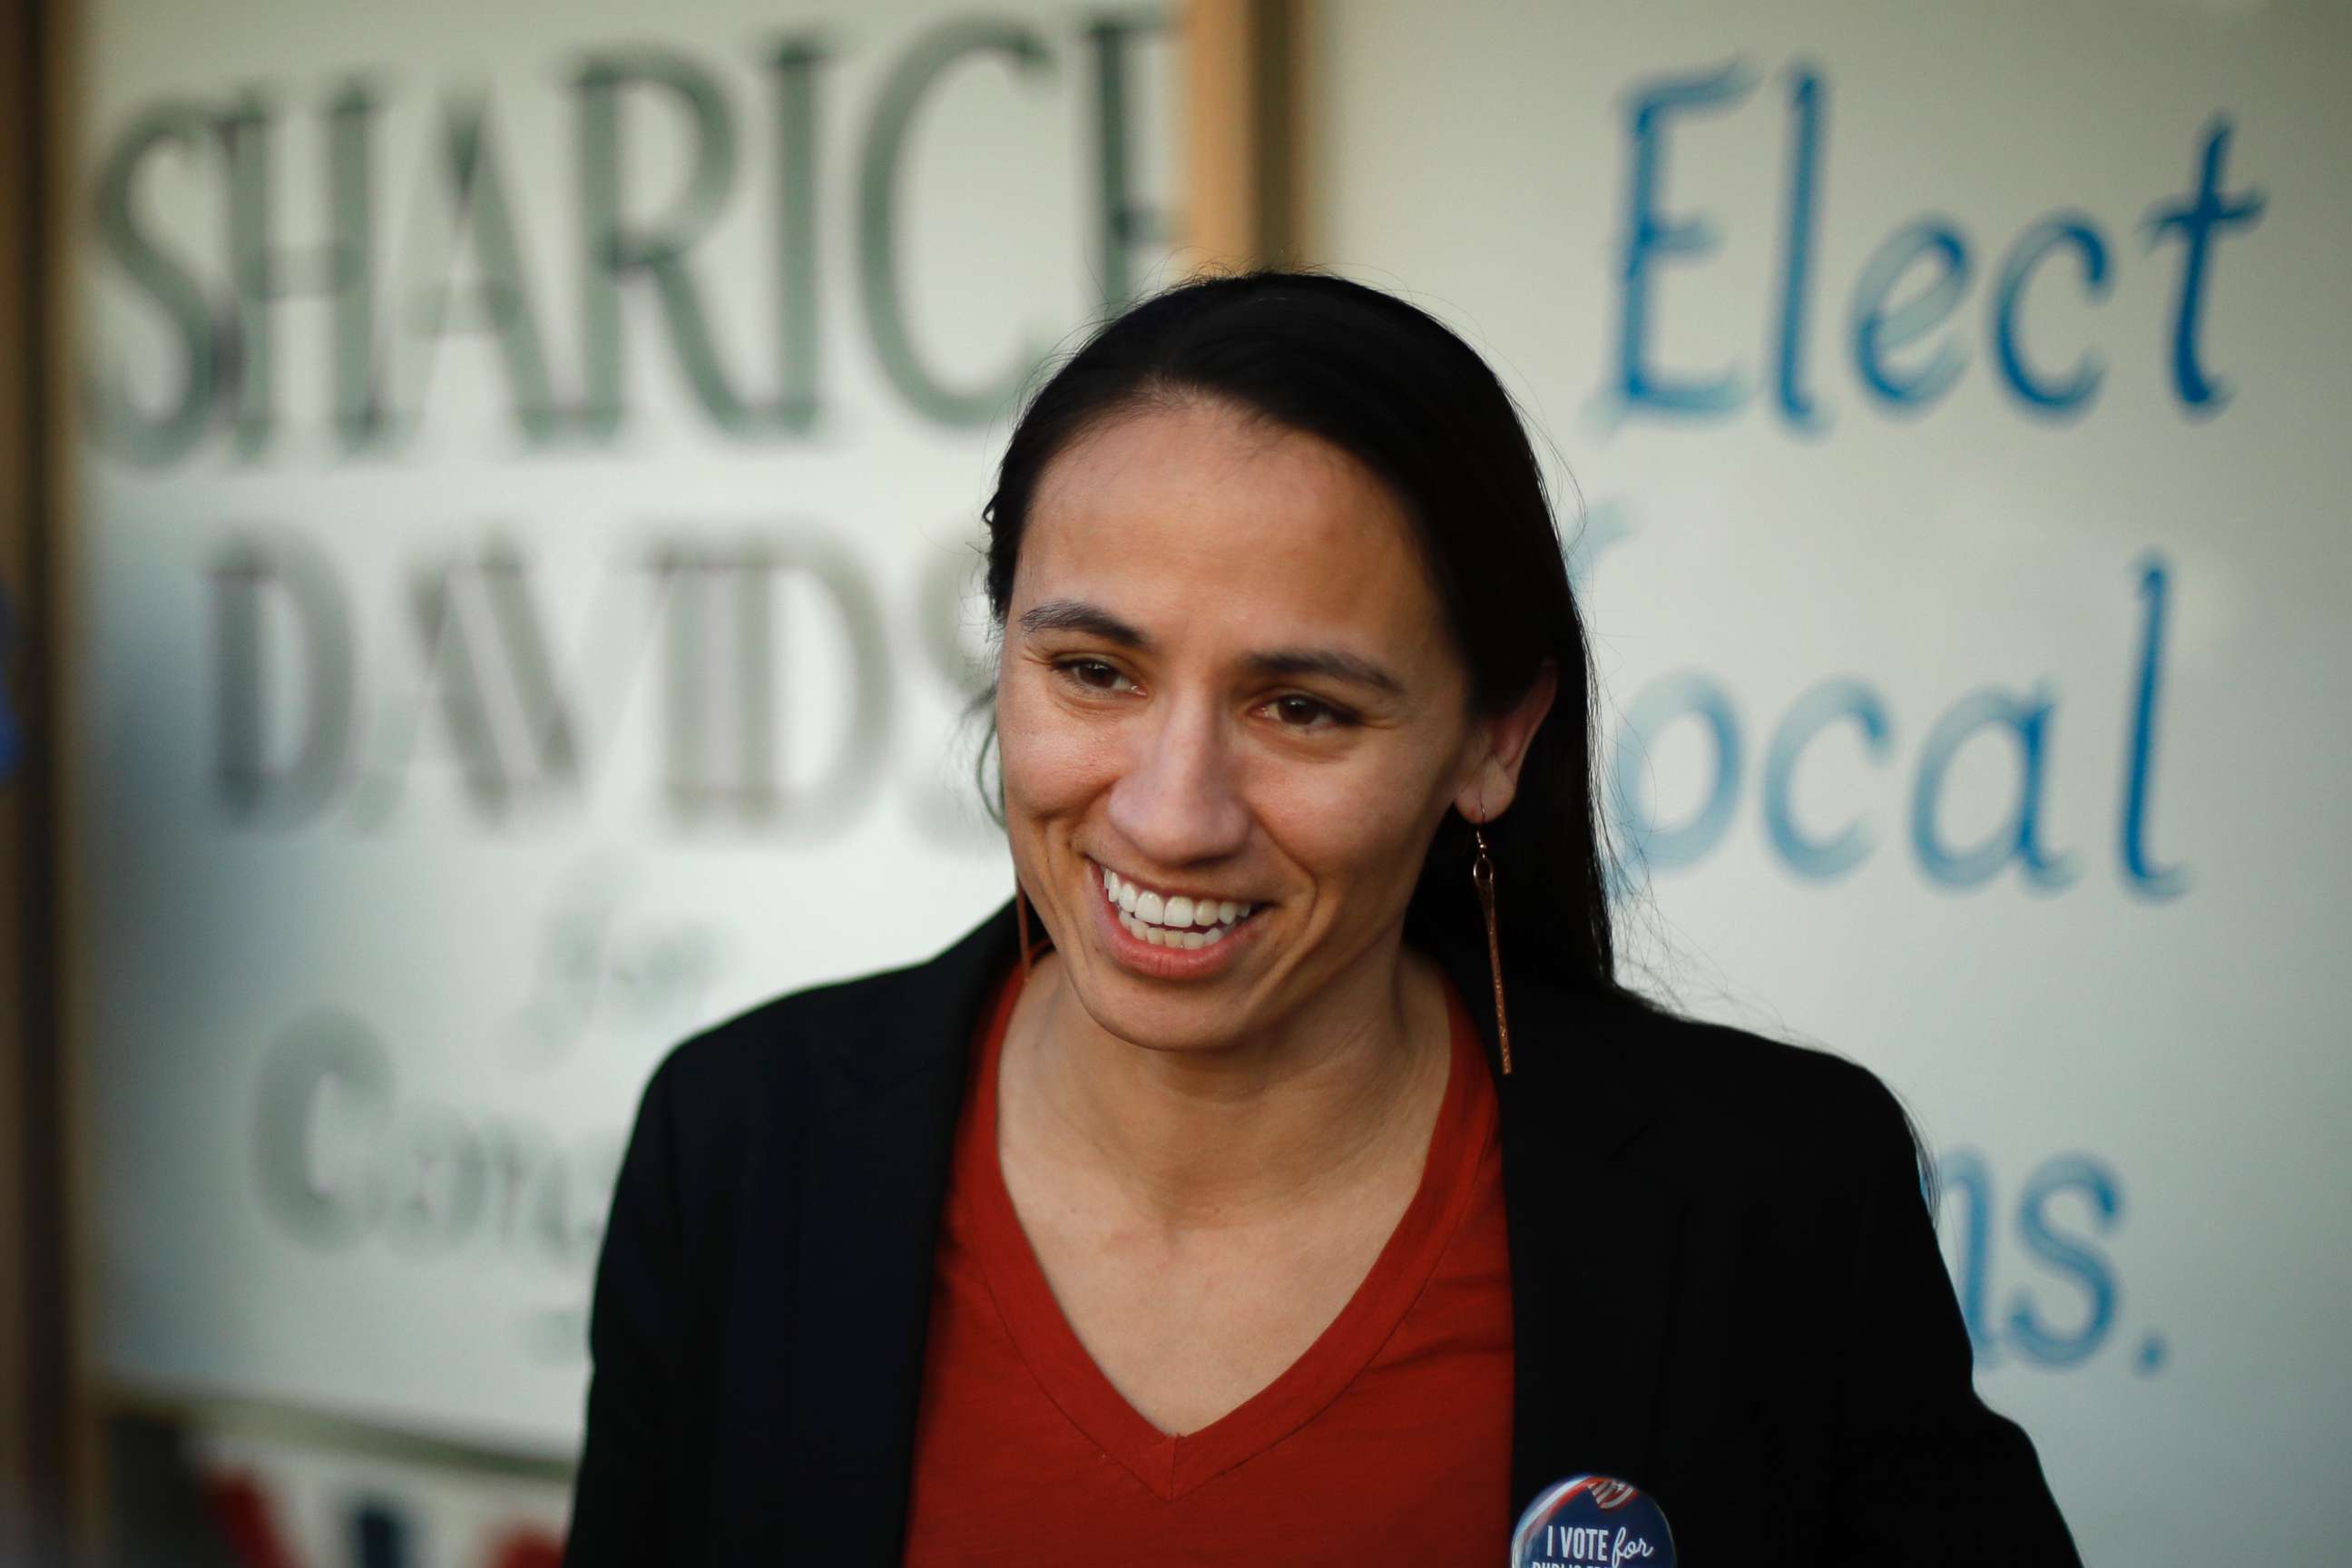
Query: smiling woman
pixel 1227 679
pixel 1283 1167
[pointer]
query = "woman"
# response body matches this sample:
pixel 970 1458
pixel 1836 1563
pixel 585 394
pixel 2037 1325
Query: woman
pixel 1282 1174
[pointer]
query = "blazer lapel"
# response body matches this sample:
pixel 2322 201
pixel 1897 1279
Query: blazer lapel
pixel 847 1313
pixel 1594 1241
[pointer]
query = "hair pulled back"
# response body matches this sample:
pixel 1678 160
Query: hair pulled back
pixel 1388 383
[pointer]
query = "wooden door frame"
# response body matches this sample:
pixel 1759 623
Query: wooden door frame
pixel 48 1439
pixel 1246 134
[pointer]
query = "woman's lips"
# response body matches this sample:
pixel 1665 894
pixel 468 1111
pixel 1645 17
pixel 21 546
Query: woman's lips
pixel 1129 940
pixel 1183 921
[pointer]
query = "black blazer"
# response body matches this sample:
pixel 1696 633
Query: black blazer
pixel 1726 1287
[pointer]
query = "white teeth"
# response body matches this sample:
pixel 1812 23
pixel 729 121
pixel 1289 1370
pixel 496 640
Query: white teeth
pixel 1144 912
pixel 1160 936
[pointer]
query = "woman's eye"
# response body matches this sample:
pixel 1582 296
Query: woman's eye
pixel 1304 710
pixel 1091 673
pixel 1295 712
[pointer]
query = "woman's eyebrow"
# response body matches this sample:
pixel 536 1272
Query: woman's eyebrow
pixel 1078 616
pixel 1328 662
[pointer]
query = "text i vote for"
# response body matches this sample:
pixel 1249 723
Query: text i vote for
pixel 1904 327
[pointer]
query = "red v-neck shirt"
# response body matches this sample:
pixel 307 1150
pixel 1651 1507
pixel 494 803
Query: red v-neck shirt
pixel 1389 1438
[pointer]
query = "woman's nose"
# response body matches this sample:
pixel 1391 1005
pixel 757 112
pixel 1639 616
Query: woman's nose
pixel 1177 799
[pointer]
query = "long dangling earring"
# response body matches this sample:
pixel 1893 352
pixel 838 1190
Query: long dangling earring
pixel 1021 916
pixel 1481 877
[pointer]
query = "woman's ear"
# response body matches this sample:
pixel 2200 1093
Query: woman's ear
pixel 1502 746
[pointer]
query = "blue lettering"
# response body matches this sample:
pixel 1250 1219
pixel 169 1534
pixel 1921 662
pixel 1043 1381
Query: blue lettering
pixel 2070 1256
pixel 2196 221
pixel 2056 398
pixel 1880 330
pixel 2145 878
pixel 1906 294
pixel 1664 701
pixel 1805 94
pixel 1807 717
pixel 2019 836
pixel 1651 235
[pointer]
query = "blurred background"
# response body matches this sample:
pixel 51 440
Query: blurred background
pixel 488 499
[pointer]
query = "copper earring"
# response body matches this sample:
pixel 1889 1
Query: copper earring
pixel 1020 917
pixel 1481 877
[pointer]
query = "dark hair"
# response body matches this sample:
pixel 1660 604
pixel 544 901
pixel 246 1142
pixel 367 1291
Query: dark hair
pixel 1388 383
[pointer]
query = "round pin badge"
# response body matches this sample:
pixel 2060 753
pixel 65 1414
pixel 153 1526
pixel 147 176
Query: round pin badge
pixel 1586 1521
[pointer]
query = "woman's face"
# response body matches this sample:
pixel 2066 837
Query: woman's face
pixel 1226 680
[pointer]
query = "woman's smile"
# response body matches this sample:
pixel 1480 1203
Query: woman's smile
pixel 1206 915
pixel 1165 935
pixel 1225 670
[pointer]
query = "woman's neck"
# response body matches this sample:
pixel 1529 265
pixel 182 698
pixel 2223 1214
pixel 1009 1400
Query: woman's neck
pixel 1218 1136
